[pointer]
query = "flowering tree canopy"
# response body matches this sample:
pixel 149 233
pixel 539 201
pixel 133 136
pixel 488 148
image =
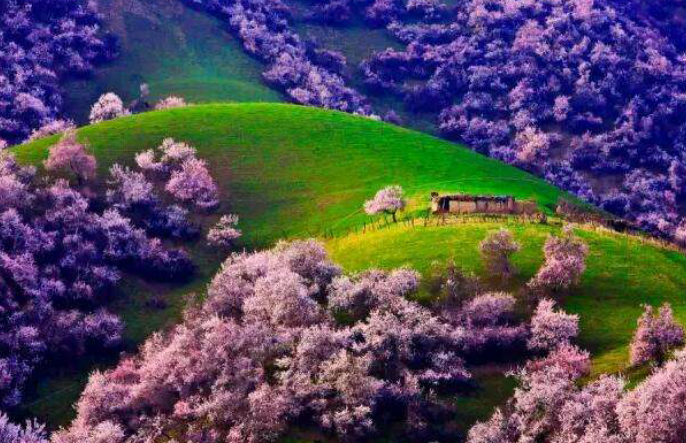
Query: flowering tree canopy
pixel 171 102
pixel 565 262
pixel 388 200
pixel 656 335
pixel 551 329
pixel 270 346
pixel 225 232
pixel 549 406
pixel 108 107
pixel 71 155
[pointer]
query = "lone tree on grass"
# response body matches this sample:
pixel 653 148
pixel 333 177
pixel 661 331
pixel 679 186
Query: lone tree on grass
pixel 108 107
pixel 551 328
pixel 656 335
pixel 496 250
pixel 565 261
pixel 388 200
pixel 71 155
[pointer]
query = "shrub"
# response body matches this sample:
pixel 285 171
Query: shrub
pixel 656 335
pixel 565 261
pixel 225 232
pixel 71 155
pixel 496 250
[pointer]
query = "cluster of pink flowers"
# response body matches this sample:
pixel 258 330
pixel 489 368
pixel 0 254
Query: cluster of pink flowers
pixel 70 155
pixel 189 180
pixel 170 103
pixel 656 335
pixel 565 262
pixel 108 107
pixel 225 232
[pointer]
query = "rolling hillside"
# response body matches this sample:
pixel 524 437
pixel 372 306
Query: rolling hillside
pixel 290 171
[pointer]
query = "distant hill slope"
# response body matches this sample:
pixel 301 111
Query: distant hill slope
pixel 290 171
pixel 175 50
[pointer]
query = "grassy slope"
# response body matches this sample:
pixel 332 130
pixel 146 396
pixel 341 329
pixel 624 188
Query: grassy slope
pixel 176 50
pixel 622 273
pixel 288 171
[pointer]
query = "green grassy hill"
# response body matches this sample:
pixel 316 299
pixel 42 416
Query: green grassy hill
pixel 291 171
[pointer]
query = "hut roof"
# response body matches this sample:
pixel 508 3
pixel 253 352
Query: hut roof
pixel 468 197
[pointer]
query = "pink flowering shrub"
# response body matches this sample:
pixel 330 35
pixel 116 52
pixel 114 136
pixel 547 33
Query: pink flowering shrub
pixel 565 261
pixel 108 107
pixel 52 128
pixel 68 154
pixel 171 102
pixel 550 328
pixel 188 178
pixel 657 334
pixel 193 183
pixel 388 200
pixel 225 232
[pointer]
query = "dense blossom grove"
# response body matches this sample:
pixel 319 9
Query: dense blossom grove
pixel 308 75
pixel 284 338
pixel 551 406
pixel 63 249
pixel 40 45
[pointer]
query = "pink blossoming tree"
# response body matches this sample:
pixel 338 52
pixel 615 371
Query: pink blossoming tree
pixel 388 200
pixel 657 334
pixel 71 155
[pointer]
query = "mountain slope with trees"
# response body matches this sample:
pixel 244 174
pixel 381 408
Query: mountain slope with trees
pixel 310 178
